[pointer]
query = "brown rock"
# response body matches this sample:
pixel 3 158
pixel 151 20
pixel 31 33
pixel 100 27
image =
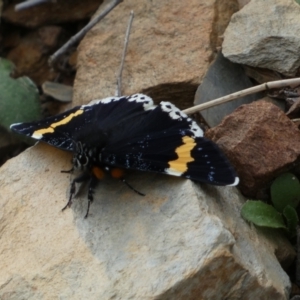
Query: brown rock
pixel 49 36
pixel 51 13
pixel 260 141
pixel 11 38
pixel 31 54
pixel 169 43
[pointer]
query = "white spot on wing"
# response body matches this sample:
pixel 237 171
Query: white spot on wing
pixel 37 136
pixel 15 124
pixel 173 172
pixel 141 98
pixel 104 101
pixel 110 99
pixel 197 131
pixel 236 182
pixel 138 98
pixel 174 112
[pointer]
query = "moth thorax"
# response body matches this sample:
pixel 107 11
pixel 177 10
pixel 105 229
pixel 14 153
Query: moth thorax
pixel 81 158
pixel 80 161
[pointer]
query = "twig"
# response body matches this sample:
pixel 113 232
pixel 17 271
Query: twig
pixel 84 30
pixel 297 280
pixel 119 76
pixel 29 3
pixel 252 90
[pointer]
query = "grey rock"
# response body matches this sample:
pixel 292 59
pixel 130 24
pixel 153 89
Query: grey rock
pixel 223 78
pixel 58 91
pixel 265 34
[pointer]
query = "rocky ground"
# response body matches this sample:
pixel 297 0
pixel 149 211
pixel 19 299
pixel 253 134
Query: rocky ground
pixel 182 240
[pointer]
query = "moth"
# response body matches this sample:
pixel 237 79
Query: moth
pixel 130 132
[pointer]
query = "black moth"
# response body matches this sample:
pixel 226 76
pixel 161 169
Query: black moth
pixel 129 132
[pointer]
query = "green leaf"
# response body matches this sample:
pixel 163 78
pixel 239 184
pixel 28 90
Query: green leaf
pixel 292 220
pixel 262 214
pixel 285 190
pixel 19 98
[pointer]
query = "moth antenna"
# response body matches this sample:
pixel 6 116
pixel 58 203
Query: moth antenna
pixel 131 187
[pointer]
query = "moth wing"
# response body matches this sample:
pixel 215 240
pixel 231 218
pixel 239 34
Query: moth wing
pixel 85 122
pixel 167 141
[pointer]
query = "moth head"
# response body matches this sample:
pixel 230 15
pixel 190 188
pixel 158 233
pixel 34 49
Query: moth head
pixel 80 157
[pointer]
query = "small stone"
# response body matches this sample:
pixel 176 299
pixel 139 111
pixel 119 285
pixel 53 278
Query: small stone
pixel 260 141
pixel 49 36
pixel 31 59
pixel 58 91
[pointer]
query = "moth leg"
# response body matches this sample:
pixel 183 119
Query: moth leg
pixel 91 191
pixel 118 174
pixel 131 187
pixel 82 177
pixel 67 171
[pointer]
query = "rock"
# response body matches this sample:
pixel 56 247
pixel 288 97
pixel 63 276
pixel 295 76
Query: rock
pixel 181 241
pixel 265 34
pixel 222 78
pixel 170 42
pixel 58 91
pixel 260 141
pixel 242 3
pixel 223 10
pixel 50 13
pixel 30 55
pixel 49 36
pixel 262 75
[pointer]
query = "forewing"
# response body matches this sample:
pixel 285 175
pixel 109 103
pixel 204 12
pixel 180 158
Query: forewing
pixel 165 140
pixel 53 130
pixel 86 123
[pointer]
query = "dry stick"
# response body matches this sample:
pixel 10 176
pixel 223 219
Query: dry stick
pixel 298 258
pixel 29 3
pixel 78 36
pixel 119 77
pixel 252 90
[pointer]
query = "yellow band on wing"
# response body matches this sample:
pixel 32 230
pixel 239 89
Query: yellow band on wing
pixel 39 133
pixel 179 165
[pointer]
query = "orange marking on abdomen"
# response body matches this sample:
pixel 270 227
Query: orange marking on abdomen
pixel 98 172
pixel 116 173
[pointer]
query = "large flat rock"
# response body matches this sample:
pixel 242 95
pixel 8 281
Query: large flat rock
pixel 181 241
